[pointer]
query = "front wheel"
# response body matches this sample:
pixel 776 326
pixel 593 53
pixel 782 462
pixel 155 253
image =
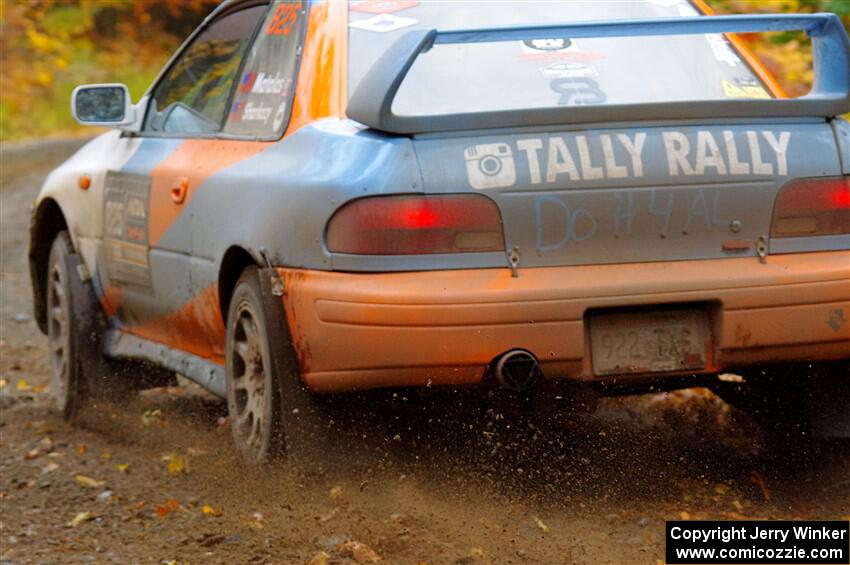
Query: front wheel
pixel 66 382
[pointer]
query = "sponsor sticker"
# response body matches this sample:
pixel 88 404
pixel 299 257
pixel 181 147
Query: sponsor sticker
pixel 386 7
pixel 744 91
pixel 279 116
pixel 490 165
pixel 256 112
pixel 284 19
pixel 548 45
pixel 247 82
pixel 554 158
pixel 723 52
pixel 125 229
pixel 266 83
pixel 383 23
pixel 568 70
pixel 236 110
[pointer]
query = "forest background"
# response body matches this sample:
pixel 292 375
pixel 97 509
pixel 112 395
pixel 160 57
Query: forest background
pixel 47 47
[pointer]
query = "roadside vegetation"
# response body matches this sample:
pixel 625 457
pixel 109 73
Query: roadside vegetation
pixel 50 46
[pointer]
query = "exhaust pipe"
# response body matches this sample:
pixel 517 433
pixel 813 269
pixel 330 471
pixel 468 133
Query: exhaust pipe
pixel 517 370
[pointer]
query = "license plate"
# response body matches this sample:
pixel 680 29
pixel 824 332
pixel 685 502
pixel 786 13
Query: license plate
pixel 648 342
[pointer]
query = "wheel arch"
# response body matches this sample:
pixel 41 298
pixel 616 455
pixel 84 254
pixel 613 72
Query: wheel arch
pixel 47 221
pixel 235 260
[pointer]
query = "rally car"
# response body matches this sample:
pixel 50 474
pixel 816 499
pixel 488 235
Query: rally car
pixel 315 198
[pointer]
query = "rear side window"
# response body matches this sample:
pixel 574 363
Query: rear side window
pixel 263 98
pixel 547 71
pixel 193 96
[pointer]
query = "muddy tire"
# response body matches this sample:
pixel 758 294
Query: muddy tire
pixel 67 381
pixel 271 412
pixel 80 375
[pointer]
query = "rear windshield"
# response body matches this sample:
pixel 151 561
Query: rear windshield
pixel 547 71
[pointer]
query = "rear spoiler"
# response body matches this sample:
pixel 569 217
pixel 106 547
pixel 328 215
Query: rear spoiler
pixel 371 103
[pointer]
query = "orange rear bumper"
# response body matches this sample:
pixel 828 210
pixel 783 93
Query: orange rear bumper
pixel 361 330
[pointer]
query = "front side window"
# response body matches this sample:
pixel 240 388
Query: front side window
pixel 193 96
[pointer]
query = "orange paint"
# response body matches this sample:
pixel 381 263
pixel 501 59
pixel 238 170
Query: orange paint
pixel 321 90
pixel 392 329
pixel 194 161
pixel 752 61
pixel 111 300
pixel 195 328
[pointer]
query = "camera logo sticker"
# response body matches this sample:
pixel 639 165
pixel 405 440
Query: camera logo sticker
pixel 490 165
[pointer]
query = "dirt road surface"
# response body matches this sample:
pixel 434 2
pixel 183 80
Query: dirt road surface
pixel 154 480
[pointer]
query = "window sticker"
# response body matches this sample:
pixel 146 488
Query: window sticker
pixel 746 88
pixel 568 70
pixel 723 52
pixel 578 91
pixel 548 45
pixel 383 23
pixel 379 7
pixel 284 20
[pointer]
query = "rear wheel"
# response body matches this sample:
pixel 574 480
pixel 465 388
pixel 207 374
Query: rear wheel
pixel 253 402
pixel 271 412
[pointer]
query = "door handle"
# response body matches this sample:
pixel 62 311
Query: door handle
pixel 179 188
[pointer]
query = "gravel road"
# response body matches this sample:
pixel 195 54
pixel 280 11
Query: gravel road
pixel 155 480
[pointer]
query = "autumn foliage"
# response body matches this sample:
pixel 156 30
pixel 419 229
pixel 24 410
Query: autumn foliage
pixel 49 46
pixel 788 56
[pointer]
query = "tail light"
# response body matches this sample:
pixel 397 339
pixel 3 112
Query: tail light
pixel 816 206
pixel 411 225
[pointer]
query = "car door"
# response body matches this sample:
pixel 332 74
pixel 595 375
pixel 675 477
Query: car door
pixel 147 226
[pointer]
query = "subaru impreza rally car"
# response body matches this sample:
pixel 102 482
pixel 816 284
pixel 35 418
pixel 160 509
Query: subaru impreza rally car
pixel 322 197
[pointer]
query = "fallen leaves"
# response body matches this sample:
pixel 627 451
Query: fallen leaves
pixel 163 510
pixel 49 468
pixel 123 467
pixel 321 558
pixel 154 416
pixel 541 524
pixel 175 464
pixel 80 518
pixel 335 493
pixel 208 510
pixel 256 521
pixel 360 552
pixel 88 482
pixel 22 385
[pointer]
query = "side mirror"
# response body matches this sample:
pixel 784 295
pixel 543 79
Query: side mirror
pixel 106 105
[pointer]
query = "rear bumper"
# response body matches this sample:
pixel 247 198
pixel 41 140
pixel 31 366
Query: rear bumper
pixel 355 331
